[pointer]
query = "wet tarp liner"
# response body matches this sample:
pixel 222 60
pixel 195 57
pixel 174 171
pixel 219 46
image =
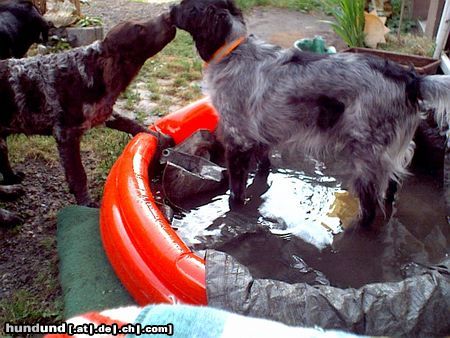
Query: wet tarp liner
pixel 417 306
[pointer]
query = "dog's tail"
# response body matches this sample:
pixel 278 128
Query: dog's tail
pixel 435 92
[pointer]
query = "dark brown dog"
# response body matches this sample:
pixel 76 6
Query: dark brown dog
pixel 65 94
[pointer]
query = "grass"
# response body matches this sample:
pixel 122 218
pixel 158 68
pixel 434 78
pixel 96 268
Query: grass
pixel 298 5
pixel 28 307
pixel 23 308
pixel 22 148
pixel 131 96
pixel 409 44
pixel 173 76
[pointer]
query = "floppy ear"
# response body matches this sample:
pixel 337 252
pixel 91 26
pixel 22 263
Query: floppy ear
pixel 121 36
pixel 109 46
pixel 234 10
pixel 216 26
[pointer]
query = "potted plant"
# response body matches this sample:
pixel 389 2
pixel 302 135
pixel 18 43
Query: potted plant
pixel 350 25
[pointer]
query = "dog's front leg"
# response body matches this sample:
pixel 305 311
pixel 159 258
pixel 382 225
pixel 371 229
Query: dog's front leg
pixel 238 162
pixel 262 155
pixel 367 193
pixel 9 176
pixel 122 123
pixel 68 142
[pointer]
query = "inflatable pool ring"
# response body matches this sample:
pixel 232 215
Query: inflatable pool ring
pixel 147 255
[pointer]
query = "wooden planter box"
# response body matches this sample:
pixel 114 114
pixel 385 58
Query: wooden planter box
pixel 422 65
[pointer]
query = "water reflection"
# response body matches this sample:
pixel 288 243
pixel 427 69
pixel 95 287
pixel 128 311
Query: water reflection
pixel 292 227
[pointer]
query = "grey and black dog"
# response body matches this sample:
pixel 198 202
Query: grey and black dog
pixel 361 107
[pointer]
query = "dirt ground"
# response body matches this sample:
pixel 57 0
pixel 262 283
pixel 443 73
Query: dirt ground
pixel 28 257
pixel 283 27
pixel 275 25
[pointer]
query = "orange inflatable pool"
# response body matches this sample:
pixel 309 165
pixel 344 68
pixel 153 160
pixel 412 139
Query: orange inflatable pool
pixel 151 261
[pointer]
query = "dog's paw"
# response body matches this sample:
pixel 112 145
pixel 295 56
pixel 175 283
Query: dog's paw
pixel 9 219
pixel 13 178
pixel 165 141
pixel 86 201
pixel 93 204
pixel 90 204
pixel 10 192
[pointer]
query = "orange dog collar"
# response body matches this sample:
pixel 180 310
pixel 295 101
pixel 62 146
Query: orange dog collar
pixel 225 50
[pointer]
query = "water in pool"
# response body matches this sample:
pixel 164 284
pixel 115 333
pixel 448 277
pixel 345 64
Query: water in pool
pixel 292 227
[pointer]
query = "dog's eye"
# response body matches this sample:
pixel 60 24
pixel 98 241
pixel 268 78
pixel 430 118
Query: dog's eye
pixel 140 29
pixel 193 10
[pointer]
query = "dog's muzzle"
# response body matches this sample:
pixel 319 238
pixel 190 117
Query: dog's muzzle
pixel 174 14
pixel 167 18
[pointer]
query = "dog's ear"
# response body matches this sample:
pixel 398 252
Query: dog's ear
pixel 228 5
pixel 216 14
pixel 234 10
pixel 122 35
pixel 216 25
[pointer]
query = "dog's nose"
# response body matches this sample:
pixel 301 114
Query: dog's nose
pixel 167 18
pixel 173 9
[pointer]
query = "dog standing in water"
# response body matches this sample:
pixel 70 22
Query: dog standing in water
pixel 361 107
pixel 65 94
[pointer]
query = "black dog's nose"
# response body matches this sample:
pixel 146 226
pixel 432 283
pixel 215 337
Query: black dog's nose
pixel 173 9
pixel 167 17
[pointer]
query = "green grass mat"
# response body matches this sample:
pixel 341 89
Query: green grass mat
pixel 87 279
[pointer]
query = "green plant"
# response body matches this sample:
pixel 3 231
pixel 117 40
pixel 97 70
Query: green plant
pixel 60 45
pixel 349 25
pixel 89 21
pixel 22 307
pixel 393 22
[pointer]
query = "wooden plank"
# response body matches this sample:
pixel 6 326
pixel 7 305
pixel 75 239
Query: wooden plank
pixel 77 7
pixel 445 64
pixel 41 5
pixel 443 31
pixel 432 19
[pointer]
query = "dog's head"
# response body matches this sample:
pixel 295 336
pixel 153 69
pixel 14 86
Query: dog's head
pixel 211 23
pixel 139 40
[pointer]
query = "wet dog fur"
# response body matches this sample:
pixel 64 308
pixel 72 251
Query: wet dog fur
pixel 65 94
pixel 361 107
